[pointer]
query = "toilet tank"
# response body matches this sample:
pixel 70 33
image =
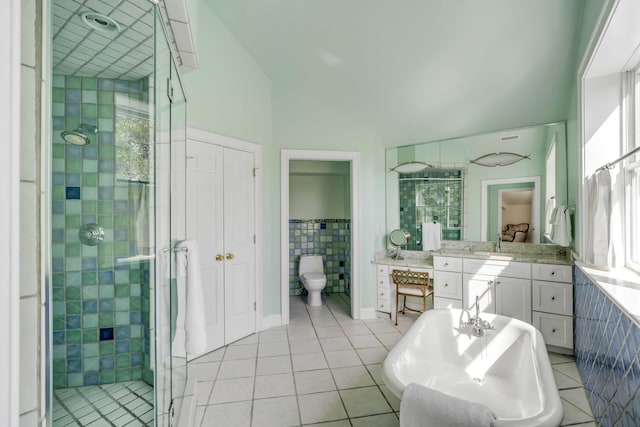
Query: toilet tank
pixel 310 264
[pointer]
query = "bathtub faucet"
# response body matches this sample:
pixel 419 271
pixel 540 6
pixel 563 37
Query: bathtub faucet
pixel 476 323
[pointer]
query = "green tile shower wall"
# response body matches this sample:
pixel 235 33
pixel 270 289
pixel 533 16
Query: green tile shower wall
pixel 90 290
pixel 330 238
pixel 423 197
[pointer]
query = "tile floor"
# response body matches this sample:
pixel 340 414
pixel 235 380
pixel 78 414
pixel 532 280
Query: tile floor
pixel 324 369
pixel 122 404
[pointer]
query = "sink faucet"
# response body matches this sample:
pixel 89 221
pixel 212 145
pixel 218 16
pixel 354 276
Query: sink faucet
pixel 498 240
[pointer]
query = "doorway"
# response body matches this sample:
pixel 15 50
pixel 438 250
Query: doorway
pixel 353 161
pixel 491 208
pixel 515 207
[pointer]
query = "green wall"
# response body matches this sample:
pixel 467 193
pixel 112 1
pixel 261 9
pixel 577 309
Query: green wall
pixel 590 16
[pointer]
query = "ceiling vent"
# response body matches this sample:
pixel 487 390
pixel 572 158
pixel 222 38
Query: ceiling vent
pixel 509 138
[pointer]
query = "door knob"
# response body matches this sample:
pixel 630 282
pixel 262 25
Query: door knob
pixel 219 257
pixel 230 256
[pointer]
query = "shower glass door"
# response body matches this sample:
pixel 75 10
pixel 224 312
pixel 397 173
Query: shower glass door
pixel 117 124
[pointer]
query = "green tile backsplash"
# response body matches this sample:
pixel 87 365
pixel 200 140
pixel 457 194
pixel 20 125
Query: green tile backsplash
pixel 100 306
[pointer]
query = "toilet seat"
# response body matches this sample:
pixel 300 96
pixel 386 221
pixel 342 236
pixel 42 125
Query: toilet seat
pixel 313 276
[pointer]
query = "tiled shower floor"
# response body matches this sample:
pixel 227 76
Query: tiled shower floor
pixel 122 404
pixel 324 369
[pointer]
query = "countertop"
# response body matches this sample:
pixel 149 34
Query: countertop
pixel 540 258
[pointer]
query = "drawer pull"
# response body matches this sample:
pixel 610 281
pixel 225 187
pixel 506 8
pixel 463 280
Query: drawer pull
pixel 553 331
pixel 446 264
pixel 553 298
pixel 553 273
pixel 490 282
pixel 446 285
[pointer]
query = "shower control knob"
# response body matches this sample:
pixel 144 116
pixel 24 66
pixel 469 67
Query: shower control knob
pixel 91 234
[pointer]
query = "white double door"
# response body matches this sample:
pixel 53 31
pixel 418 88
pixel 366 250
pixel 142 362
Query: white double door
pixel 221 218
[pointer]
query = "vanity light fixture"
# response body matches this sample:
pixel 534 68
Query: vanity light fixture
pixel 411 167
pixel 499 159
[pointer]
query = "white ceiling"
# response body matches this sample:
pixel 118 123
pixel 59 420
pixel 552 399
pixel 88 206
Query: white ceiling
pixel 418 70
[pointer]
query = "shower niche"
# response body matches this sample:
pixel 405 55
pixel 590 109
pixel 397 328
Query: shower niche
pixel 113 133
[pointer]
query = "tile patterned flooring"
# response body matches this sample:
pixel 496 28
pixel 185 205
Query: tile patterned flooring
pixel 324 369
pixel 122 404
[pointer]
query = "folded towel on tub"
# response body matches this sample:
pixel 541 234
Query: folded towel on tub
pixel 425 407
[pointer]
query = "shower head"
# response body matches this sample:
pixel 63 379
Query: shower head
pixel 78 135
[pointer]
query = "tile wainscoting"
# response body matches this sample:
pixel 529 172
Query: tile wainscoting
pixel 607 349
pixel 330 238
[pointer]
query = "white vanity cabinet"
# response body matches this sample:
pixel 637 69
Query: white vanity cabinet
pixel 503 287
pixel 386 290
pixel 383 288
pixel 447 282
pixel 553 303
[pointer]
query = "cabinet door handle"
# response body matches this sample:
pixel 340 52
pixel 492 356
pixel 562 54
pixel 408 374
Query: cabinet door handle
pixel 446 285
pixel 553 331
pixel 230 256
pixel 497 282
pixel 490 282
pixel 553 298
pixel 553 273
pixel 219 257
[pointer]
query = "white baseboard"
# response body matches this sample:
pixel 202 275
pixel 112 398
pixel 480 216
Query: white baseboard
pixel 271 321
pixel 368 313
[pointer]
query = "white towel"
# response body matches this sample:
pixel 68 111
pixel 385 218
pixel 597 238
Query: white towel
pixel 425 407
pixel 431 232
pixel 188 274
pixel 562 226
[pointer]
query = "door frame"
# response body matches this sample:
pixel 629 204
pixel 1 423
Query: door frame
pixel 535 220
pixel 336 156
pixel 238 144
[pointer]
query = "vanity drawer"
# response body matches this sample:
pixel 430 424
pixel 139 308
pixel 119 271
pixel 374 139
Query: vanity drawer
pixel 553 297
pixel 556 329
pixel 448 285
pixel 439 302
pixel 384 293
pixel 382 269
pixel 447 263
pixel 384 305
pixel 552 272
pixel 382 281
pixel 521 270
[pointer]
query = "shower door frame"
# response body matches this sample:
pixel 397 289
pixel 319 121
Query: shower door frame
pixel 45 338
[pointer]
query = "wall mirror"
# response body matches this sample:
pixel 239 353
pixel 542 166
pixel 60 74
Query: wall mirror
pixel 476 202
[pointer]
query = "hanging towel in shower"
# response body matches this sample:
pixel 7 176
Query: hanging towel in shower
pixel 425 407
pixel 188 275
pixel 431 232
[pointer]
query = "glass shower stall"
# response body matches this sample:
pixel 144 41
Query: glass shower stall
pixel 118 118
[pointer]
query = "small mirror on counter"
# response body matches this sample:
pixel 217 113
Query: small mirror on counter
pixel 399 238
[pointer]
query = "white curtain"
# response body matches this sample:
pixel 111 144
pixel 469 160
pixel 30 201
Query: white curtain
pixel 604 221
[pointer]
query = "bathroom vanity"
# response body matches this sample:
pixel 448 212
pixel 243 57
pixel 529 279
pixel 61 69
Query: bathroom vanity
pixel 532 283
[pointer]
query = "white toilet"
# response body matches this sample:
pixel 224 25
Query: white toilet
pixel 311 271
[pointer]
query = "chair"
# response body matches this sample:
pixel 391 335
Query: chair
pixel 414 284
pixel 515 232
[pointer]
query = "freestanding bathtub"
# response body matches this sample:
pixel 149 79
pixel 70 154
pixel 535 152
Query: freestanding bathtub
pixel 507 369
